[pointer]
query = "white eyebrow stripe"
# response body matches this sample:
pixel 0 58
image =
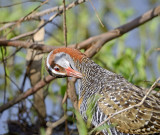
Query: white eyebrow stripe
pixel 48 60
pixel 50 68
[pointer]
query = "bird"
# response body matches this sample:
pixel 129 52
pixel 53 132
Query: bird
pixel 109 92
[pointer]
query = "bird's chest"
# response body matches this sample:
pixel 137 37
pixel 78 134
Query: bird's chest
pixel 88 98
pixel 87 107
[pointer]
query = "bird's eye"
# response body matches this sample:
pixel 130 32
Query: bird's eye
pixel 56 68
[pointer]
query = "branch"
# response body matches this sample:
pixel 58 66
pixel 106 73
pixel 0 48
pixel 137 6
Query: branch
pixel 157 49
pixel 17 3
pixel 96 13
pixel 29 92
pixel 50 125
pixel 72 92
pixel 94 43
pixel 24 44
pixel 23 18
pixel 126 109
pixel 54 9
pixel 64 23
pixel 104 38
pixel 158 85
pixel 47 11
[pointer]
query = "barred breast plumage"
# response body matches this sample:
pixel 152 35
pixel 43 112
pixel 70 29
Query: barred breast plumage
pixel 109 92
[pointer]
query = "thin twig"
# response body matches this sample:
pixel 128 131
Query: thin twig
pixel 52 35
pixel 13 54
pixel 47 11
pixel 64 98
pixel 158 85
pixel 72 92
pixel 65 111
pixel 96 13
pixel 26 44
pixel 29 92
pixel 14 4
pixel 126 109
pixel 21 20
pixel 117 32
pixel 65 43
pixel 157 49
pixel 13 82
pixel 37 29
pixel 50 125
pixel 5 74
pixel 31 33
pixel 92 43
pixel 27 71
pixel 64 23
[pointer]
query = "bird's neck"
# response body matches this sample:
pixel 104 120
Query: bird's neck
pixel 93 75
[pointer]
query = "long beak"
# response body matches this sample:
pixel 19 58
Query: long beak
pixel 73 73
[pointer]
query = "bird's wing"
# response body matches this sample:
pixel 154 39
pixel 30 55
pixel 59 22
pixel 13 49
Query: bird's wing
pixel 138 120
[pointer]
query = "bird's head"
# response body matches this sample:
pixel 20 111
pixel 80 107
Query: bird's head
pixel 61 62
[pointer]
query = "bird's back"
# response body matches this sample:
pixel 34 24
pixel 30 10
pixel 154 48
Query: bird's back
pixel 111 93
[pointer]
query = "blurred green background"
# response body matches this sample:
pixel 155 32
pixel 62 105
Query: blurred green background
pixel 133 55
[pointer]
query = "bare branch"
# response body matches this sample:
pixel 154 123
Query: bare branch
pixel 24 44
pixel 157 49
pixel 14 4
pixel 104 38
pixel 54 124
pixel 57 8
pixel 64 23
pixel 29 92
pixel 23 18
pixel 64 98
pixel 93 43
pixel 97 14
pixel 47 11
pixel 158 85
pixel 12 55
pixel 72 93
pixel 13 82
pixel 5 73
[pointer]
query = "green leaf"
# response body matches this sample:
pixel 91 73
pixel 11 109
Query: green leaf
pixel 63 90
pixel 91 102
pixel 81 125
pixel 42 131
